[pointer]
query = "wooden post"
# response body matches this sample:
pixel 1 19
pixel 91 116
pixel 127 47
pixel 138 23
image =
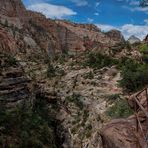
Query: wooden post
pixel 146 97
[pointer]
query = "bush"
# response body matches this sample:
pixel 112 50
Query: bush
pixel 134 76
pixel 11 61
pixel 113 97
pixel 76 99
pixel 50 71
pixel 120 109
pixel 97 60
pixel 144 51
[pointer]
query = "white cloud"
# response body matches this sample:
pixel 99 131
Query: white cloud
pixel 127 30
pixel 52 11
pixel 96 13
pixel 105 27
pixel 80 2
pixel 138 30
pixel 90 20
pixel 133 9
pixel 134 3
pixel 146 21
pixel 97 4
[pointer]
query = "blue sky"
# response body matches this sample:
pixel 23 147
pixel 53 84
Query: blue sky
pixel 124 15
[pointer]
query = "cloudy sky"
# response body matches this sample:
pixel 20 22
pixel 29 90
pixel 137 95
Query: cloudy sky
pixel 124 15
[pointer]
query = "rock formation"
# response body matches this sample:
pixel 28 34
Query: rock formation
pixel 116 36
pixel 15 88
pixel 51 36
pixel 146 39
pixel 7 42
pixel 132 39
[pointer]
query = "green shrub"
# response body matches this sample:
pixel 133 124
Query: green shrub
pixel 11 61
pixel 113 97
pixel 50 71
pixel 144 48
pixel 97 60
pixel 144 51
pixel 89 75
pixel 76 99
pixel 134 76
pixel 120 109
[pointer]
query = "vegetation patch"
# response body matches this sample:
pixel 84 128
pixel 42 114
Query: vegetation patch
pixel 76 99
pixel 144 51
pixel 120 109
pixel 134 75
pixel 24 127
pixel 97 60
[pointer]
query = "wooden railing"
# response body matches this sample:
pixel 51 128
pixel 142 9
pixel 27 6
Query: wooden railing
pixel 144 109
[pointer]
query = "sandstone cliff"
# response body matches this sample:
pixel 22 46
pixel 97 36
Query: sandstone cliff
pixel 33 32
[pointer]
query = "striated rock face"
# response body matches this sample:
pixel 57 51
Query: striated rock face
pixel 15 88
pixel 133 40
pixel 34 33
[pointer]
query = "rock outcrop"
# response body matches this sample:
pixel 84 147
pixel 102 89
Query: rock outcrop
pixel 15 87
pixel 11 8
pixel 133 39
pixel 7 42
pixel 146 39
pixel 115 35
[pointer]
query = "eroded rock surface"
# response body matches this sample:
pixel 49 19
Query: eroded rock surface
pixel 15 87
